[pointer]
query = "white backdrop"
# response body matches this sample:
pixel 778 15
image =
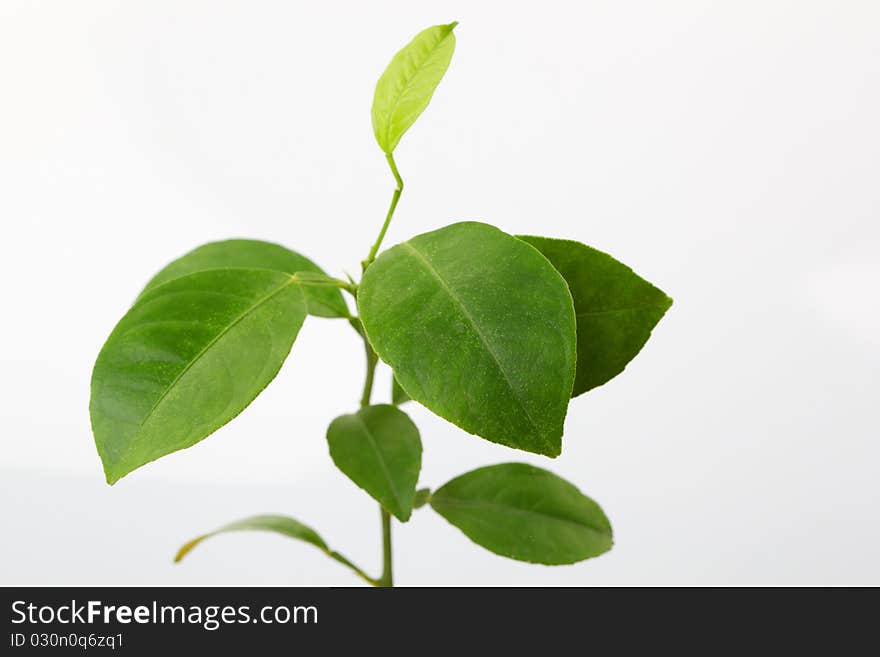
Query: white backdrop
pixel 727 150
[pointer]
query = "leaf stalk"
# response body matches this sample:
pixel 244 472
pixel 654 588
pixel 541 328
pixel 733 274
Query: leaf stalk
pixel 394 199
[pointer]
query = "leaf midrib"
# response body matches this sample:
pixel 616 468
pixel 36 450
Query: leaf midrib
pixel 453 501
pixel 382 462
pixel 427 264
pixel 259 302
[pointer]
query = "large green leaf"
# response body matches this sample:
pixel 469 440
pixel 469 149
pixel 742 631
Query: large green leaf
pixel 405 88
pixel 278 525
pixel 616 309
pixel 254 254
pixel 379 449
pixel 479 328
pixel 188 357
pixel 525 513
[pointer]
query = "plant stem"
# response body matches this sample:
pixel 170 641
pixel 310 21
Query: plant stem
pixel 321 280
pixel 372 359
pixel 387 578
pixel 394 199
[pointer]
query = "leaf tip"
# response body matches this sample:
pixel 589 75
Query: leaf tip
pixel 114 471
pixel 110 475
pixel 186 548
pixel 553 449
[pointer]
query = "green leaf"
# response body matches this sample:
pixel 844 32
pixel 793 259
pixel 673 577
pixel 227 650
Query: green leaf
pixel 379 449
pixel 405 88
pixel 616 309
pixel 188 357
pixel 398 394
pixel 279 525
pixel 525 513
pixel 479 328
pixel 254 254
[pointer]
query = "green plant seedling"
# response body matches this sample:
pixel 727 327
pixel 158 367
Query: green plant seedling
pixel 493 332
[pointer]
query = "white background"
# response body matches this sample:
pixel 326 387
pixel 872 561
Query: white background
pixel 727 150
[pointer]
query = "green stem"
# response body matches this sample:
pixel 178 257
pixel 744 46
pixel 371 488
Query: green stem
pixel 394 199
pixel 372 359
pixel 387 578
pixel 321 280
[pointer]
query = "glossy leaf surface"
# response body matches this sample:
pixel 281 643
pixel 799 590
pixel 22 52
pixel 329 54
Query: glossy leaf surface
pixel 188 357
pixel 479 328
pixel 379 449
pixel 525 513
pixel 408 83
pixel 255 254
pixel 616 309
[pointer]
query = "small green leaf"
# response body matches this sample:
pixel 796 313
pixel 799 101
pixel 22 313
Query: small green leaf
pixel 279 525
pixel 189 356
pixel 254 254
pixel 479 328
pixel 379 449
pixel 525 513
pixel 616 309
pixel 398 394
pixel 405 88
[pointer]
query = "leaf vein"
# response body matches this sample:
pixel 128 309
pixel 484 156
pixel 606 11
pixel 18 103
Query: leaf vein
pixel 427 264
pixel 451 501
pixel 409 85
pixel 382 462
pixel 259 302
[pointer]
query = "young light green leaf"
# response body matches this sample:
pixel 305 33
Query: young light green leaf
pixel 479 328
pixel 188 357
pixel 525 513
pixel 616 309
pixel 379 449
pixel 398 394
pixel 279 525
pixel 405 88
pixel 254 254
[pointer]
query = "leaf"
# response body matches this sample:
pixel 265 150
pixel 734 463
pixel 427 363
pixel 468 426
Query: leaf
pixel 379 449
pixel 479 328
pixel 616 309
pixel 398 394
pixel 188 357
pixel 254 254
pixel 525 513
pixel 279 525
pixel 405 88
